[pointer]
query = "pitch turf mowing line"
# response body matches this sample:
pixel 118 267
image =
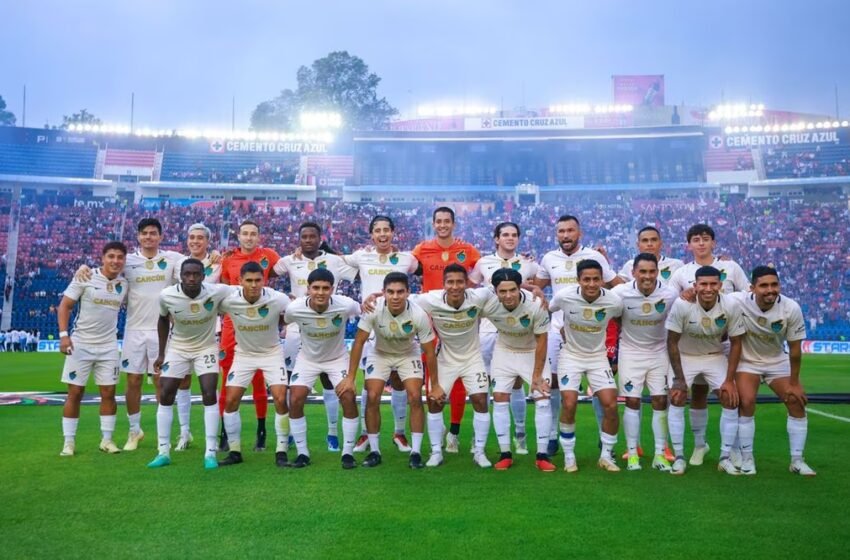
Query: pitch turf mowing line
pixel 827 415
pixel 96 505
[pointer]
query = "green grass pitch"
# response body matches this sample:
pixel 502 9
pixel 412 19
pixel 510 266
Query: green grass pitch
pixel 94 505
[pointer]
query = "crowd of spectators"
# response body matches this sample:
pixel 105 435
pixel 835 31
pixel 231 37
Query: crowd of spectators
pixel 809 162
pixel 262 173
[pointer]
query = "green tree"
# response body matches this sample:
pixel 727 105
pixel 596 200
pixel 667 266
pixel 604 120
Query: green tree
pixel 338 82
pixel 7 118
pixel 82 117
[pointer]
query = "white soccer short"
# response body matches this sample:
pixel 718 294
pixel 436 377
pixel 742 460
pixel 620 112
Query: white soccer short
pixel 291 345
pixel 553 349
pixel 509 364
pixel 768 372
pixel 487 340
pixel 244 367
pixel 708 369
pixel 306 373
pixel 380 366
pixel 595 368
pixel 639 370
pixel 179 364
pixel 86 359
pixel 139 351
pixel 473 374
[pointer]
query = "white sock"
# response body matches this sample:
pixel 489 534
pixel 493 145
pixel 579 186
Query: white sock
pixel 542 423
pixel 728 430
pixel 567 433
pixel 298 429
pixel 364 397
pixel 676 422
pixel 69 428
pixel 481 429
pixel 555 408
pixel 211 427
pixel 107 425
pixel 349 434
pixel 332 410
pixel 519 408
pixel 164 419
pixel 281 430
pixel 184 405
pixel 746 435
pixel 502 425
pixel 399 405
pixel 135 422
pixel 416 442
pixel 659 430
pixel 373 443
pixel 233 429
pixel 598 413
pixel 631 425
pixel 797 428
pixel 435 432
pixel 699 422
pixel 608 443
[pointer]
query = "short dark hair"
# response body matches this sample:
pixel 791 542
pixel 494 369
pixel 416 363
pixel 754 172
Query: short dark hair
pixel 314 225
pixel 700 229
pixel 381 218
pixel 569 217
pixel 587 264
pixel 454 267
pixel 443 209
pixel 763 270
pixel 114 246
pixel 506 275
pixel 648 228
pixel 498 230
pixel 249 223
pixel 321 275
pixel 191 260
pixel 645 257
pixel 396 278
pixel 250 267
pixel 706 271
pixel 147 222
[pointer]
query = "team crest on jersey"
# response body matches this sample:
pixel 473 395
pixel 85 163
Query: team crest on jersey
pixel 337 320
pixel 394 258
pixel 208 270
pixel 600 315
pixel 569 265
pixel 209 304
pixel 461 256
pixel 382 259
pixel 322 264
pixel 407 327
pixel 125 362
pixel 252 312
pixel 511 321
pixel 73 374
pixel 722 275
pixel 162 264
pixel 646 307
pixel 311 265
pixel 264 263
pixel 762 321
pixel 587 313
pixel 525 320
pixel 393 326
pixel 263 311
pixel 165 366
pixel 516 265
pixel 321 322
pixel 776 326
pixel 629 386
pixel 119 288
pixel 149 265
pixel 665 273
pixel 706 322
pixel 110 288
pixel 194 308
pixel 445 256
pixel 660 306
pixel 471 313
pixel 720 321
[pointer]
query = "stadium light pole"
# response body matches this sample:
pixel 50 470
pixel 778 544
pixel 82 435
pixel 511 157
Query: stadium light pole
pixel 24 111
pixel 233 114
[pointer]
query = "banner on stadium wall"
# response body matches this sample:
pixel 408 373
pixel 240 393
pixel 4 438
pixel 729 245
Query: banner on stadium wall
pixel 245 146
pixel 640 90
pixel 777 139
pixel 523 123
pixel 439 124
pixel 53 345
pixel 825 347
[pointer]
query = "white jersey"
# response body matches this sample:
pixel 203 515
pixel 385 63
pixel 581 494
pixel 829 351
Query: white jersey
pixel 585 323
pixel 767 330
pixel 394 334
pixel 256 324
pixel 642 329
pixel 99 301
pixel 518 328
pixel 666 268
pixel 373 267
pixel 147 278
pixel 456 326
pixel 731 274
pixel 322 334
pixel 483 271
pixel 212 272
pixel 193 319
pixel 299 269
pixel 703 331
pixel 560 269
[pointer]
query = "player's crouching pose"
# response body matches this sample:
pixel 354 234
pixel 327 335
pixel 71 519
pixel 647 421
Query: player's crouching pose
pixel 396 323
pixel 256 312
pixel 519 353
pixel 189 309
pixel 93 346
pixel 769 320
pixel 321 319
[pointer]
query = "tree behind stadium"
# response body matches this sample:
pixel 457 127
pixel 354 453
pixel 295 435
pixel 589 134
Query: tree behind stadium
pixel 7 118
pixel 338 82
pixel 82 117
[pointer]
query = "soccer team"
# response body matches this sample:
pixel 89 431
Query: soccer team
pixel 481 324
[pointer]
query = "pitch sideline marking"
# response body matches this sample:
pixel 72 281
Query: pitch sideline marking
pixel 828 415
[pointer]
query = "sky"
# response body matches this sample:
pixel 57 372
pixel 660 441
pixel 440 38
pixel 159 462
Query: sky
pixel 185 60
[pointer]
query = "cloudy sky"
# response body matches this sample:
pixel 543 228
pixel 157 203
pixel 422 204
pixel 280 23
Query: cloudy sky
pixel 186 59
